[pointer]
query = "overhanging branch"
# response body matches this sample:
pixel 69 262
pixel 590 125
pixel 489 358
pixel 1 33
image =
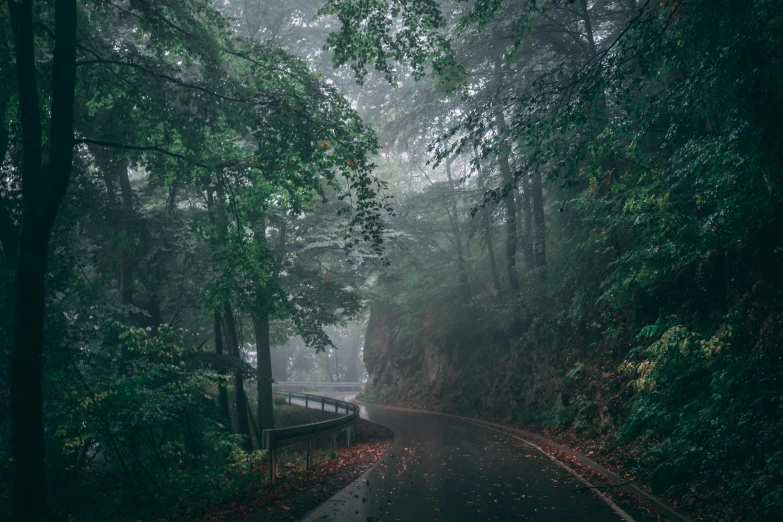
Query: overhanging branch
pixel 100 61
pixel 143 148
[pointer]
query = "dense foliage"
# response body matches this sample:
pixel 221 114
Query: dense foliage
pixel 649 298
pixel 222 199
pixel 587 234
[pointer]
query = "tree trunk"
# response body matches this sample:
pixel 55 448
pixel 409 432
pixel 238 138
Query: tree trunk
pixel 261 326
pixel 511 214
pixel 352 373
pixel 222 392
pixel 43 191
pixel 607 161
pixel 588 28
pixel 526 237
pixel 455 229
pixel 27 438
pixel 508 182
pixel 328 368
pixel 486 224
pixel 126 261
pixel 243 423
pixel 171 203
pixel 263 371
pixel 539 225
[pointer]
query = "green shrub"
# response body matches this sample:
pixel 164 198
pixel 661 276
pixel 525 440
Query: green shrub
pixel 709 410
pixel 135 433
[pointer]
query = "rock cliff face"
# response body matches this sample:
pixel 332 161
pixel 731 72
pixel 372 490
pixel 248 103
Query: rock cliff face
pixel 460 373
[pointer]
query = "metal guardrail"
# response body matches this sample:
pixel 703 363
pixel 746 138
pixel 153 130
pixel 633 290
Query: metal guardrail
pixel 279 385
pixel 278 437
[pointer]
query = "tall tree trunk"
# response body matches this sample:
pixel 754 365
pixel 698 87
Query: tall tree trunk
pixel 43 190
pixel 539 225
pixel 126 261
pixel 511 215
pixel 243 423
pixel 328 367
pixel 352 373
pixel 486 224
pixel 455 229
pixel 607 162
pixel 121 217
pixel 223 406
pixel 222 391
pixel 493 266
pixel 171 203
pixel 508 181
pixel 261 326
pixel 266 417
pixel 588 28
pixel 264 371
pixel 526 236
pixel 336 367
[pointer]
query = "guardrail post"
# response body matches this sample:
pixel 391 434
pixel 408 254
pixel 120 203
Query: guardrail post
pixel 348 438
pixel 322 404
pixel 334 445
pixel 306 403
pixel 289 397
pixel 272 464
pixel 336 412
pixel 309 455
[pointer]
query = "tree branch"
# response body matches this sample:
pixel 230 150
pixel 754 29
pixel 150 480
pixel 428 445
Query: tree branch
pixel 166 77
pixel 143 148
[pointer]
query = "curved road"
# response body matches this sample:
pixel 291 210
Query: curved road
pixel 445 469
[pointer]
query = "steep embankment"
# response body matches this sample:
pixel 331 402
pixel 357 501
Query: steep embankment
pixel 455 372
pixel 691 416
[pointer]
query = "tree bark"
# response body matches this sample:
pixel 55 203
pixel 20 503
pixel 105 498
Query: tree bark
pixel 43 191
pixel 261 319
pixel 539 225
pixel 266 418
pixel 352 373
pixel 526 236
pixel 126 261
pixel 328 368
pixel 171 203
pixel 486 224
pixel 222 392
pixel 243 423
pixel 223 405
pixel 264 371
pixel 588 28
pixel 455 229
pixel 120 217
pixel 511 210
pixel 511 216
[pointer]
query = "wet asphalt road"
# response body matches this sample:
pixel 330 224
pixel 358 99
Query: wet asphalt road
pixel 446 469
